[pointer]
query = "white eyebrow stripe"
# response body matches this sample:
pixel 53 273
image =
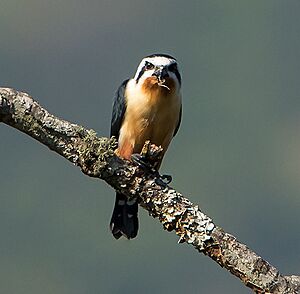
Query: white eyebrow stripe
pixel 156 61
pixel 159 60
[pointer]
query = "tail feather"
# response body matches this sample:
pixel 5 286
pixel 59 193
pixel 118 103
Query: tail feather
pixel 124 220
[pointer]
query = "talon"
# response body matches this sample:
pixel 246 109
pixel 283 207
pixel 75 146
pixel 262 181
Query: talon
pixel 167 179
pixel 141 162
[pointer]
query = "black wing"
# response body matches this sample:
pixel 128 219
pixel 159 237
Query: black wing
pixel 119 108
pixel 179 121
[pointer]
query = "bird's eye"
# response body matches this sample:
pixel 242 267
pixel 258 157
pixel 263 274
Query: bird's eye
pixel 149 65
pixel 172 67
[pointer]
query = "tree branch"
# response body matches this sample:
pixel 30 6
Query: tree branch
pixel 95 156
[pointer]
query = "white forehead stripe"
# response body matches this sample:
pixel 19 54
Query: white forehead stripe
pixel 159 60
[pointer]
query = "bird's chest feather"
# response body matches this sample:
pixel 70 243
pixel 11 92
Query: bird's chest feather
pixel 149 116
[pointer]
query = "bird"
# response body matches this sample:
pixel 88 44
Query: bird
pixel 145 107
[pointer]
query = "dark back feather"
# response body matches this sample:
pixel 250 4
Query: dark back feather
pixel 119 108
pixel 179 121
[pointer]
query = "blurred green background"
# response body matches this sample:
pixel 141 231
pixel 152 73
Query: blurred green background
pixel 237 153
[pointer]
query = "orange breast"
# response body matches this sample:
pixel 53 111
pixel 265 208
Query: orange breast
pixel 152 114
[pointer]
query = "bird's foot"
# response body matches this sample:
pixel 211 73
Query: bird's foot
pixel 149 160
pixel 148 167
pixel 142 162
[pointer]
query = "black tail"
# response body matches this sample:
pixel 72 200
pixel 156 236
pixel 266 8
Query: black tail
pixel 124 221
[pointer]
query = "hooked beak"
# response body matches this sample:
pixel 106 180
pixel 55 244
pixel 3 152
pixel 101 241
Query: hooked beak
pixel 161 73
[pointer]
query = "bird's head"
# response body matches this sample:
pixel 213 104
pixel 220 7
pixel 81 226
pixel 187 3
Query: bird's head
pixel 158 72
